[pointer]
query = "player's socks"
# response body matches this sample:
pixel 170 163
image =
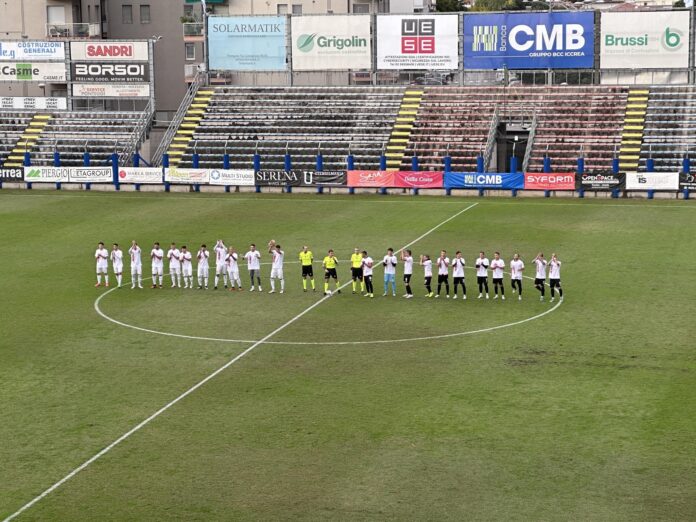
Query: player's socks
pixel 338 287
pixel 106 280
pixel 272 285
pixel 282 285
pixel 326 287
pixel 355 285
pixel 119 278
pixel 98 279
pixel 304 284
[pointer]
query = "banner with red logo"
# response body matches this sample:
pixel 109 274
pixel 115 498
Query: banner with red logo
pixel 370 178
pixel 418 179
pixel 395 178
pixel 549 181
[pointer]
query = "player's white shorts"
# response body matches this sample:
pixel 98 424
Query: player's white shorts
pixel 137 269
pixel 276 273
pixel 157 269
pixel 202 270
pixel 233 274
pixel 187 271
pixel 175 269
pixel 118 268
pixel 102 268
pixel 221 268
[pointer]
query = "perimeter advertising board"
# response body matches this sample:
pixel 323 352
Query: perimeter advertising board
pixel 657 40
pixel 417 42
pixel 484 180
pixel 529 41
pixel 331 42
pixel 652 181
pixel 247 43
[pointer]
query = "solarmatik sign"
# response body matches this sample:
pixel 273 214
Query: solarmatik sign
pixel 529 41
pixel 247 43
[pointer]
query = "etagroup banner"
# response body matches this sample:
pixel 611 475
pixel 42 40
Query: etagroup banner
pixel 657 40
pixel 417 42
pixel 484 180
pixel 398 179
pixel 331 42
pixel 529 41
pixel 247 43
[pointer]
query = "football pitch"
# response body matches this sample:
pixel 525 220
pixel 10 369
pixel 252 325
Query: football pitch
pixel 176 404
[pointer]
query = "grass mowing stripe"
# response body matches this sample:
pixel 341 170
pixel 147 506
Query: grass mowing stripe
pixel 193 388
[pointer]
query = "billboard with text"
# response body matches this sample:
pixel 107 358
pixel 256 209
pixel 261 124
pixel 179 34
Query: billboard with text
pixel 331 42
pixel 538 40
pixel 247 43
pixel 32 72
pixel 109 51
pixel 38 51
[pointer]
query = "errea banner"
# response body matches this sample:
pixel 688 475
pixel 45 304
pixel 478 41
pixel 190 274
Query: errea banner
pixel 331 42
pixel 109 51
pixel 32 72
pixel 538 40
pixel 644 40
pixel 40 51
pixel 11 174
pixel 417 42
pixel 247 43
pixel 652 181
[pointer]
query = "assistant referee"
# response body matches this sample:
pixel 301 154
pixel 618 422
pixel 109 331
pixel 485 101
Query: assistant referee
pixel 306 260
pixel 356 271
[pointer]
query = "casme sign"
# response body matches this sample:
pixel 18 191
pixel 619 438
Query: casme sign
pixel 549 181
pixel 529 41
pixel 484 180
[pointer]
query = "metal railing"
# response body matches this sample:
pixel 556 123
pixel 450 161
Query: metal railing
pixel 138 136
pixel 193 29
pixel 178 118
pixel 530 143
pixel 73 30
pixel 490 142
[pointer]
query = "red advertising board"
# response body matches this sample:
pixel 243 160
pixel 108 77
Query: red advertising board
pixel 549 181
pixel 399 179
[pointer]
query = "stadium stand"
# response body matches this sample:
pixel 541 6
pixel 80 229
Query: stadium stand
pixel 301 120
pixel 13 139
pixel 670 127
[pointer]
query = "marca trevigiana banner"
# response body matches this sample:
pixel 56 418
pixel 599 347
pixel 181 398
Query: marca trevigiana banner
pixel 331 42
pixel 657 40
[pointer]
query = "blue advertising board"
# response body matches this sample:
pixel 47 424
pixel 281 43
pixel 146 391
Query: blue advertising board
pixel 529 41
pixel 247 43
pixel 484 180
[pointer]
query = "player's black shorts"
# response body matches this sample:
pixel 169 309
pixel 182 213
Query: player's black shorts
pixel 458 281
pixel 407 278
pixel 539 281
pixel 307 270
pixel 356 273
pixel 330 272
pixel 498 281
pixel 555 283
pixel 442 278
pixel 428 280
pixel 481 279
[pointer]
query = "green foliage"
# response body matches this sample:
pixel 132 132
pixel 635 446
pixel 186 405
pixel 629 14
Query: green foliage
pixel 498 5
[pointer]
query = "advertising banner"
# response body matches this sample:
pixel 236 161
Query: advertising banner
pixel 109 72
pixel 196 176
pixel 484 180
pixel 398 179
pixel 652 181
pixel 139 175
pixel 47 174
pixel 247 43
pixel 417 42
pixel 32 72
pixel 657 40
pixel 370 178
pixel 109 51
pixel 418 179
pixel 90 175
pixel 39 51
pixel 687 181
pixel 94 90
pixel 327 178
pixel 549 181
pixel 331 42
pixel 11 174
pixel 600 181
pixel 232 177
pixel 539 40
pixel 31 103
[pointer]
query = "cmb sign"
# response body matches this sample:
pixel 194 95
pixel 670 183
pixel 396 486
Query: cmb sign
pixel 529 41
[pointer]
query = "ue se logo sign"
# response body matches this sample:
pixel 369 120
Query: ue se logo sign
pixel 418 36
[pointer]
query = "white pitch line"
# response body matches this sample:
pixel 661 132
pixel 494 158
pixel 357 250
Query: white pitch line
pixel 194 388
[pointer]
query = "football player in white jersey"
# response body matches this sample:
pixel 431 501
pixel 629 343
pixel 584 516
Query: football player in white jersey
pixel 157 257
pixel 407 259
pixel 443 263
pixel 458 264
pixel 232 260
pixel 202 257
pixel 173 255
pixel 185 257
pixel 427 265
pixel 367 263
pixel 516 269
pixel 555 277
pixel 389 263
pixel 253 259
pixel 117 263
pixel 220 265
pixel 482 265
pixel 102 258
pixel 136 264
pixel 540 277
pixel 277 256
pixel 498 266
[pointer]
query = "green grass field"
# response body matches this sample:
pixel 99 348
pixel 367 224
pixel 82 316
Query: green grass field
pixel 585 413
